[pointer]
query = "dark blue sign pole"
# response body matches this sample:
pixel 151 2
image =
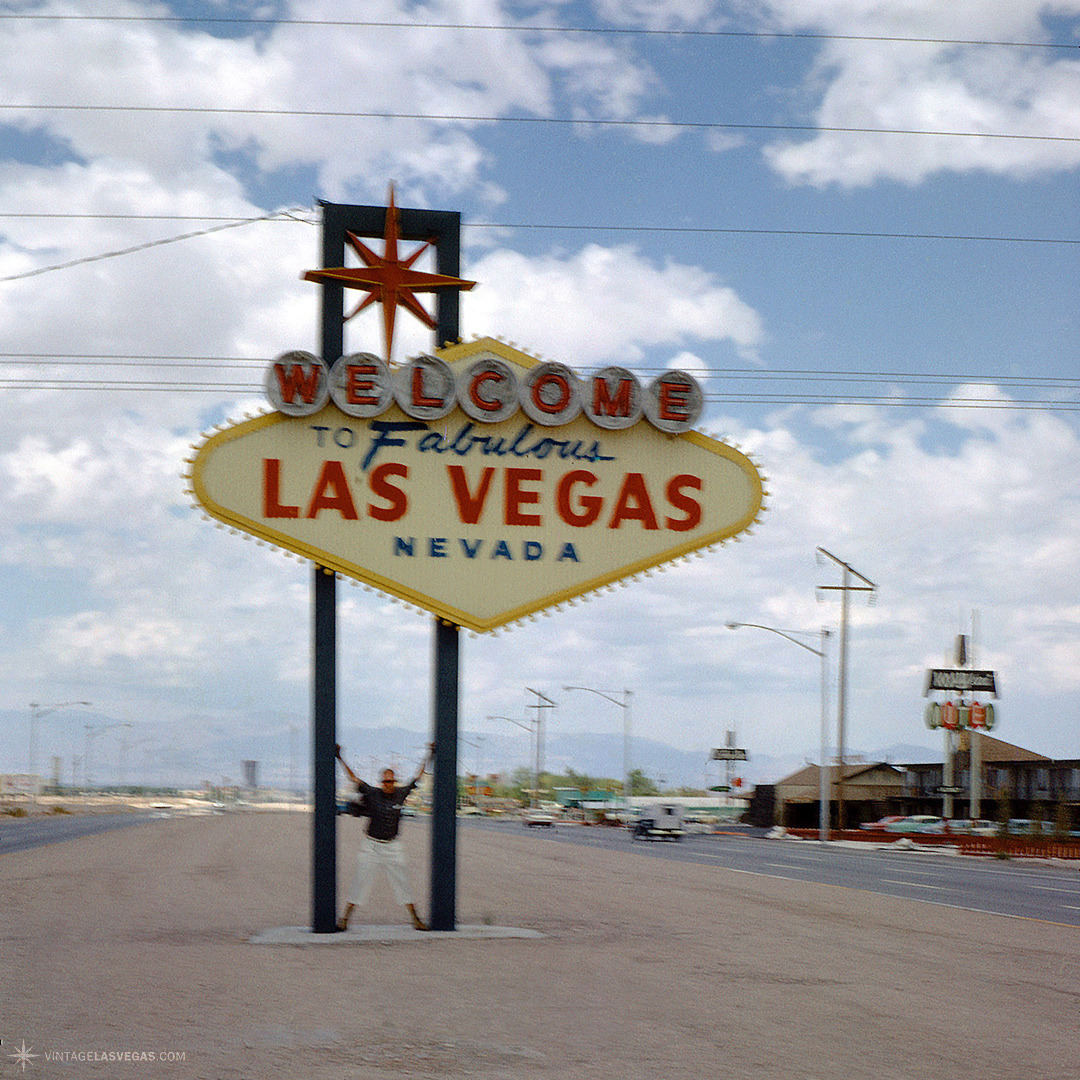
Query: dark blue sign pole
pixel 443 914
pixel 324 634
pixel 443 230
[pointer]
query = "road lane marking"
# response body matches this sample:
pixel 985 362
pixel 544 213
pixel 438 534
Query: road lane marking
pixel 913 884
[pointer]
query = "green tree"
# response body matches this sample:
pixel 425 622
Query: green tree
pixel 582 781
pixel 640 784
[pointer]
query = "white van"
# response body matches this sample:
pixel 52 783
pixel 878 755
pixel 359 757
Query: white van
pixel 664 821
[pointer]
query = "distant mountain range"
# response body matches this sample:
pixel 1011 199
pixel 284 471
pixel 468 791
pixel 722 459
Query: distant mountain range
pixel 597 755
pixel 186 756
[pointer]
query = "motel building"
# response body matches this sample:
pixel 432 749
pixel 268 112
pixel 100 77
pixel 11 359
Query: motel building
pixel 1016 783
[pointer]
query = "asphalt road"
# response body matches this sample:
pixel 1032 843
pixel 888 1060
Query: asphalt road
pixel 1024 888
pixel 18 834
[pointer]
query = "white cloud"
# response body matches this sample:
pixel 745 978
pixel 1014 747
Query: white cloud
pixel 931 87
pixel 1025 99
pixel 256 81
pixel 604 304
pixel 660 14
pixel 603 81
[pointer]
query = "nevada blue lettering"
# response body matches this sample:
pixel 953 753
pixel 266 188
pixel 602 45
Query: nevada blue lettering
pixel 441 547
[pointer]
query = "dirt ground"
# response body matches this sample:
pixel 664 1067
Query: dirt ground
pixel 127 955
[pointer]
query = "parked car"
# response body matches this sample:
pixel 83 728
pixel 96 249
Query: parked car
pixel 916 823
pixel 882 823
pixel 538 819
pixel 1030 827
pixel 972 827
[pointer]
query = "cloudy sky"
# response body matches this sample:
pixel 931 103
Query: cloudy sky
pixel 856 222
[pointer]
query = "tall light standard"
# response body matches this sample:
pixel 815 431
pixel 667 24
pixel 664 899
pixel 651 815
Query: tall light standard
pixel 478 746
pixel 39 712
pixel 624 704
pixel 824 785
pixel 527 725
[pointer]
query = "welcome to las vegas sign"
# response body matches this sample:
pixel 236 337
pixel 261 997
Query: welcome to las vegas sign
pixel 477 482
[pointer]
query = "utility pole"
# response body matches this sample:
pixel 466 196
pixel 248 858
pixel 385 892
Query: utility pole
pixel 844 588
pixel 975 740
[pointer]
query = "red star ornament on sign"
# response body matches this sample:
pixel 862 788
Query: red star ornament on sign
pixel 388 279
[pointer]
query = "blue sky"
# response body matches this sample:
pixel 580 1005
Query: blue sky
pixel 887 322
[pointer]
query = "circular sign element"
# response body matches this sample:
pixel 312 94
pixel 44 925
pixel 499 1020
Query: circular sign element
pixel 933 716
pixel 613 399
pixel 551 394
pixel 488 390
pixel 673 402
pixel 425 388
pixel 361 385
pixel 297 383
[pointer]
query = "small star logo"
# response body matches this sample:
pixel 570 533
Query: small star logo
pixel 389 280
pixel 23 1054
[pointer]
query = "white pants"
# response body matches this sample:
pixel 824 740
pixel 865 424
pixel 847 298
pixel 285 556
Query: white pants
pixel 373 855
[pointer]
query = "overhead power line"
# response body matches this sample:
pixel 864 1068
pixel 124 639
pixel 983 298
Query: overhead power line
pixel 709 229
pixel 297 214
pixel 689 125
pixel 817 375
pixel 626 31
pixel 255 388
pixel 112 373
pixel 146 246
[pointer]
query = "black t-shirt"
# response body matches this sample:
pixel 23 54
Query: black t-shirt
pixel 385 809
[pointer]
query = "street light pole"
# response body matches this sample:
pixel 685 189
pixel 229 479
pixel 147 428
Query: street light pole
pixel 478 746
pixel 824 780
pixel 526 724
pixel 625 706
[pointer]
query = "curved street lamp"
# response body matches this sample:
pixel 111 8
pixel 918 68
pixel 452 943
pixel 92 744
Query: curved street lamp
pixel 624 704
pixel 528 726
pixel 824 786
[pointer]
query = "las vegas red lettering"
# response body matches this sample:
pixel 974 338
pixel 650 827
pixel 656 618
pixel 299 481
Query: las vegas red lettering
pixel 507 496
